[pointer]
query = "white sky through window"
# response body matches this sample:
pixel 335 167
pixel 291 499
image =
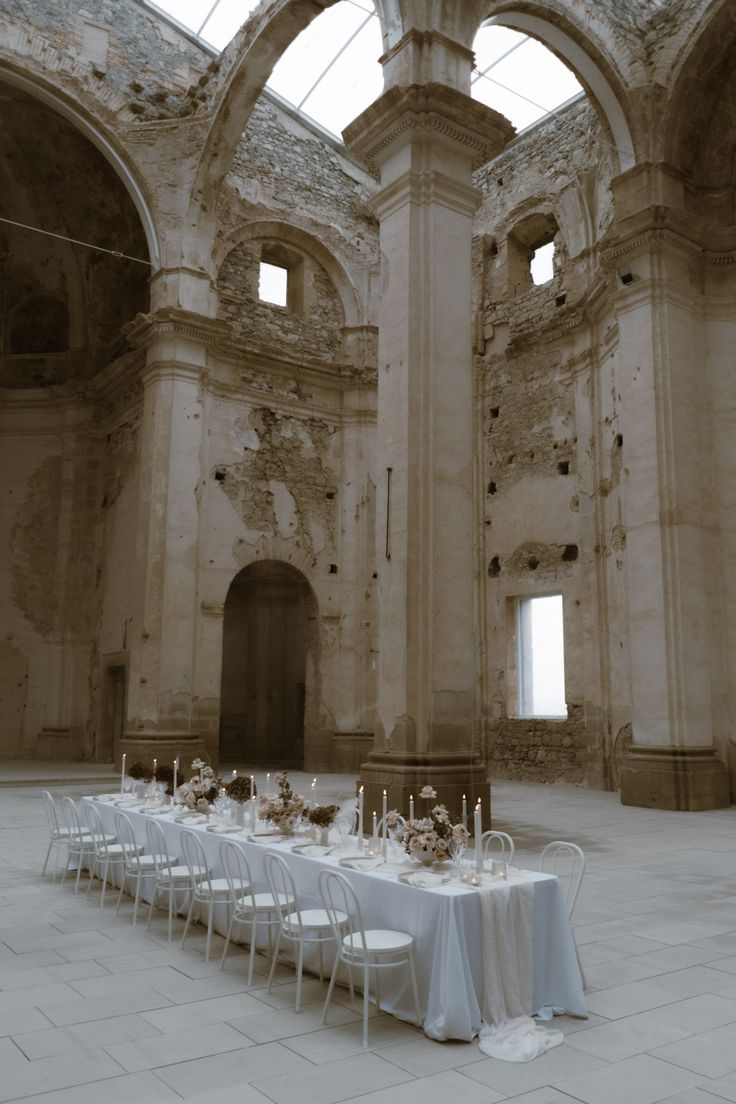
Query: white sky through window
pixel 331 72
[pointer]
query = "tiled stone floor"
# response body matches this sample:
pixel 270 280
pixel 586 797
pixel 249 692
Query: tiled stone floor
pixel 93 1011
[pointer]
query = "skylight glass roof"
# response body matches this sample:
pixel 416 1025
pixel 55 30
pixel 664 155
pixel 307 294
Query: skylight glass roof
pixel 331 72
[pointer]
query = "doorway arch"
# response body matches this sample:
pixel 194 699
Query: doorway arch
pixel 268 666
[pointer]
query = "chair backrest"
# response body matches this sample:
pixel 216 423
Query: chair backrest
pixel 281 884
pixel 52 816
pixel 97 828
pixel 156 847
pixel 237 871
pixel 125 832
pixel 196 861
pixel 491 841
pixel 565 860
pixel 71 816
pixel 340 900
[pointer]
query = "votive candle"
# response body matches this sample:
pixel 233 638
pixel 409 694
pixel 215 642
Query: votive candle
pixel 478 832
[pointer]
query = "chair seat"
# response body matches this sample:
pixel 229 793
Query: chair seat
pixel 90 840
pixel 312 919
pixel 181 874
pixel 114 851
pixel 379 940
pixel 262 902
pixel 218 885
pixel 147 862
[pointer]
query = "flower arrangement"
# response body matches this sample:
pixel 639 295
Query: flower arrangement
pixel 322 816
pixel 239 789
pixel 140 772
pixel 284 809
pixel 201 790
pixel 433 833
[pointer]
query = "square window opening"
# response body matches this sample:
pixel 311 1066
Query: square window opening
pixel 540 659
pixel 273 284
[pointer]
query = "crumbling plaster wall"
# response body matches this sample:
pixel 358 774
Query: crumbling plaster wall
pixel 547 428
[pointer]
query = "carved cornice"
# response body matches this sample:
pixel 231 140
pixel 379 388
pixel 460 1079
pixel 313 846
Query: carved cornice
pixel 424 188
pixel 659 236
pixel 434 109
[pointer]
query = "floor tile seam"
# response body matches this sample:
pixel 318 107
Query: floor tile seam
pixel 323 1065
pixel 175 1061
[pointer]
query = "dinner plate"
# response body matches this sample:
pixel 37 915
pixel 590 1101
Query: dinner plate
pixel 425 879
pixel 313 850
pixel 362 862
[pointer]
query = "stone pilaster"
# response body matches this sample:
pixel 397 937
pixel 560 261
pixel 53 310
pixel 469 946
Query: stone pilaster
pixel 426 140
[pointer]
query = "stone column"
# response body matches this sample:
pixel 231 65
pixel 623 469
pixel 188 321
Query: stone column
pixel 671 763
pixel 161 720
pixel 426 139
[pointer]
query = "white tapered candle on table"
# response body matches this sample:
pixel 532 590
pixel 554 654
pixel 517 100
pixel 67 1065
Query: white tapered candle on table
pixel 478 832
pixel 465 812
pixel 360 818
pixel 252 803
pixel 268 781
pixel 155 768
pixel 122 773
pixel 314 793
pixel 173 786
pixel 374 833
pixel 384 843
pixel 411 806
pixel 235 775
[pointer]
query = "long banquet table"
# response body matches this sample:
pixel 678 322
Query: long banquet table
pixel 445 922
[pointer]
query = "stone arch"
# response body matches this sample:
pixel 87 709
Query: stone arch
pixel 101 139
pixel 246 66
pixel 289 234
pixel 270 666
pixel 576 47
pixel 700 78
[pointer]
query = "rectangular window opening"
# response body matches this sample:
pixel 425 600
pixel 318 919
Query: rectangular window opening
pixel 540 657
pixel 273 284
pixel 542 263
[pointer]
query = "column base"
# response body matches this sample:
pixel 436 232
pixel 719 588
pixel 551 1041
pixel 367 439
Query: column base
pixel 402 776
pixel 680 779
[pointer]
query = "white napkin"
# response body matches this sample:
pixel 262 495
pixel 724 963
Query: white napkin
pixel 425 879
pixel 367 863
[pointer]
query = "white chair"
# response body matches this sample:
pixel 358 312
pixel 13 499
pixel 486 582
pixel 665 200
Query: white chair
pixel 501 842
pixel 205 890
pixel 298 925
pixel 376 949
pixel 80 841
pixel 567 861
pixel 170 880
pixel 136 865
pixel 249 906
pixel 107 855
pixel 58 835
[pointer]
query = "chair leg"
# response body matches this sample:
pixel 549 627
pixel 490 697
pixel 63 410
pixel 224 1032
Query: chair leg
pixel 415 990
pixel 151 906
pixel 189 918
pixel 123 883
pixel 366 999
pixel 227 940
pixel 105 874
pixel 46 860
pixel 299 966
pixel 331 985
pixel 137 898
pixel 210 910
pixel 91 870
pixel 378 988
pixel 253 930
pixel 274 961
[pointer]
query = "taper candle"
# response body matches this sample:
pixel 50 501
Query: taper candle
pixel 374 833
pixel 173 787
pixel 235 775
pixel 478 832
pixel 465 812
pixel 411 806
pixel 122 774
pixel 360 818
pixel 155 767
pixel 314 792
pixel 384 817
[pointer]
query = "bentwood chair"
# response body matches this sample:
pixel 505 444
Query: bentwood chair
pixel 371 950
pixel 567 861
pixel 205 890
pixel 58 835
pixel 298 925
pixel 107 855
pixel 137 866
pixel 80 840
pixel 170 880
pixel 497 845
pixel 250 907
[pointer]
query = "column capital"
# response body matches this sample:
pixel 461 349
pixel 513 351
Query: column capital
pixel 432 111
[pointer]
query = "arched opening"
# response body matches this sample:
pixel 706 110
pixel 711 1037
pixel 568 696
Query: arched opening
pixel 268 663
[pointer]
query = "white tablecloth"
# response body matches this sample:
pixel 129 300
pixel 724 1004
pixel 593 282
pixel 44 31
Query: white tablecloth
pixel 445 922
